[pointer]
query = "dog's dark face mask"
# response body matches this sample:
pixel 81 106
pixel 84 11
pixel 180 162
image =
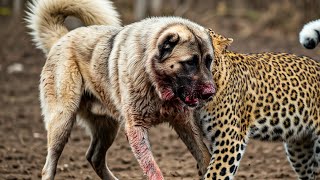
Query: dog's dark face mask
pixel 193 84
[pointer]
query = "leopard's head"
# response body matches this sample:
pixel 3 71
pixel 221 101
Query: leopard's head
pixel 219 42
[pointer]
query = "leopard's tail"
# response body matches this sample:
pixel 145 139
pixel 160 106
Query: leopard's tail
pixel 46 18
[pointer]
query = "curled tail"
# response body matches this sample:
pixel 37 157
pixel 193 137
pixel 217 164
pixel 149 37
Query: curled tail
pixel 46 18
pixel 309 36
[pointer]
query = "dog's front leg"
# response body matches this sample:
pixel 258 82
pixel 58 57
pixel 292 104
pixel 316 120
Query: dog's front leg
pixel 138 139
pixel 192 137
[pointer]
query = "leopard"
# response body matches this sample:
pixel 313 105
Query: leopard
pixel 265 96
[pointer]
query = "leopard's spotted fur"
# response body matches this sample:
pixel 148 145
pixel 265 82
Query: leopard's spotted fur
pixel 266 96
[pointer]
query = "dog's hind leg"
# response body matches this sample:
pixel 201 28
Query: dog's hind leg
pixel 103 131
pixel 58 133
pixel 60 99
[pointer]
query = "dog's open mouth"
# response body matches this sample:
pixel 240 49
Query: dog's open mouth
pixel 192 97
pixel 191 102
pixel 189 99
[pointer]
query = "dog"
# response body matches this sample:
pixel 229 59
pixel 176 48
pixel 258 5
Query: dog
pixel 309 36
pixel 142 74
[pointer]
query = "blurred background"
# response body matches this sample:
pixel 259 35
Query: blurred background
pixel 255 26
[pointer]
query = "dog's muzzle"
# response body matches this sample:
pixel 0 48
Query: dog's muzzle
pixel 192 97
pixel 207 91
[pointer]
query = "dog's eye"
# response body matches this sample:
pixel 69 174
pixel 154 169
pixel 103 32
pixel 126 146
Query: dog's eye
pixel 208 61
pixel 192 62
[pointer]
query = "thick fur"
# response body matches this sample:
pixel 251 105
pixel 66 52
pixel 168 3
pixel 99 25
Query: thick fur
pixel 309 36
pixel 46 20
pixel 143 74
pixel 265 96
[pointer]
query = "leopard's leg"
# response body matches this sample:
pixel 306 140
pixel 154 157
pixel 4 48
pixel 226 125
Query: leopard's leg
pixel 300 154
pixel 228 148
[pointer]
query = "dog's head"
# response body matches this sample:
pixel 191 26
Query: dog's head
pixel 181 65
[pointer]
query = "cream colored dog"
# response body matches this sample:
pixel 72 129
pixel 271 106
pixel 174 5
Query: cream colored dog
pixel 153 71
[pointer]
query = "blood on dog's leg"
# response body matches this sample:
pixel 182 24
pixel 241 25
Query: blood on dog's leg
pixel 103 132
pixel 66 92
pixel 139 143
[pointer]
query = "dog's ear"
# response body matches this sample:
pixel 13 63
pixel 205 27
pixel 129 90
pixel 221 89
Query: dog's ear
pixel 166 44
pixel 219 42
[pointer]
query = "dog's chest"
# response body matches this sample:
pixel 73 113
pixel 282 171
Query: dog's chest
pixel 169 110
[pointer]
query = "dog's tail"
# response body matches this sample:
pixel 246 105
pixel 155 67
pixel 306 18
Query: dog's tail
pixel 46 18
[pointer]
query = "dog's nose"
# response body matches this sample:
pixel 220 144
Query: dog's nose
pixel 208 91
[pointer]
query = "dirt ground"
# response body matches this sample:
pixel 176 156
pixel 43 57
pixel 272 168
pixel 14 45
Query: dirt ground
pixel 23 136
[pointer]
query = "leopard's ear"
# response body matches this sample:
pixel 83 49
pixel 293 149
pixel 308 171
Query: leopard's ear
pixel 219 42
